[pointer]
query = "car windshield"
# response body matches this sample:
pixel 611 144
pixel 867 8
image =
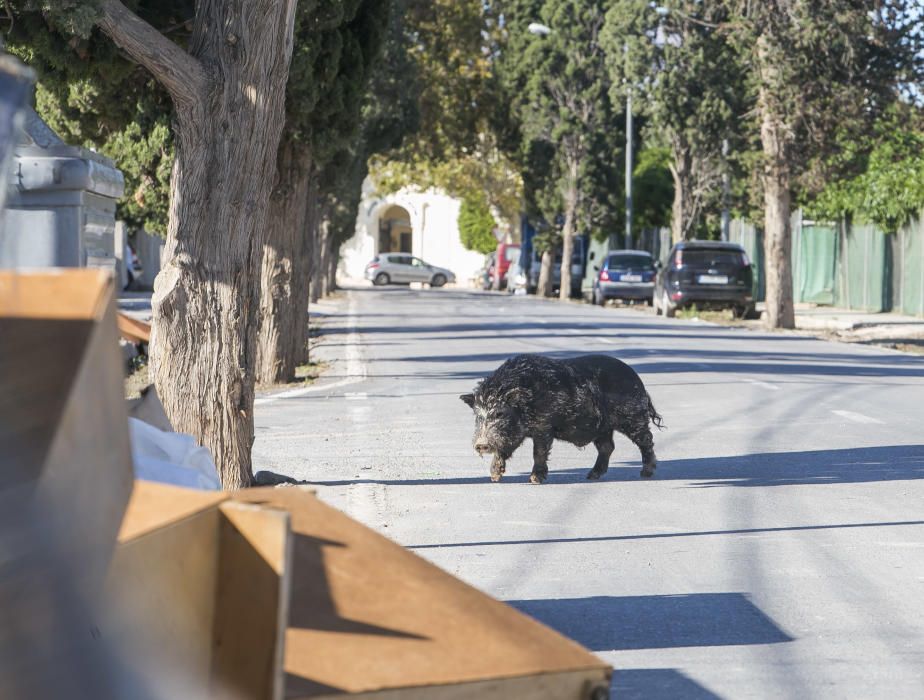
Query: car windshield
pixel 512 254
pixel 711 257
pixel 632 261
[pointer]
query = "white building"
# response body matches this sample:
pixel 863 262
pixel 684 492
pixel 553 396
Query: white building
pixel 424 224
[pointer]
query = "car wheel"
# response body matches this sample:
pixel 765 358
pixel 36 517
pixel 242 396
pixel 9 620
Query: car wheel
pixel 438 281
pixel 745 312
pixel 670 311
pixel 381 279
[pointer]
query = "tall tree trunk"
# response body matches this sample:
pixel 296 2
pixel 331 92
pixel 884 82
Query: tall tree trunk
pixel 302 295
pixel 680 211
pixel 567 234
pixel 324 258
pixel 332 262
pixel 229 118
pixel 776 139
pixel 283 327
pixel 544 285
pixel 314 254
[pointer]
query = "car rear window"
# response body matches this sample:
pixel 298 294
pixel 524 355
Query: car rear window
pixel 691 256
pixel 633 261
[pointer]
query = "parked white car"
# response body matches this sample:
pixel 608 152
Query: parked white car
pixel 402 268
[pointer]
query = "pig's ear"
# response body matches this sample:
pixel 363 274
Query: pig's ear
pixel 469 399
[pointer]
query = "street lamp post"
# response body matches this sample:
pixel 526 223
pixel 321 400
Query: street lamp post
pixel 629 168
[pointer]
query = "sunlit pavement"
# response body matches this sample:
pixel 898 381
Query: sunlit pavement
pixel 779 551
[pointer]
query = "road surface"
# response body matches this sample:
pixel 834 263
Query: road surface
pixel 779 551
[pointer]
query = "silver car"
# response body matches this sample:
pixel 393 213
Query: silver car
pixel 402 268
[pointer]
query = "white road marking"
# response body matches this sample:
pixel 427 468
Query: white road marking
pixel 356 396
pixel 606 340
pixel 857 417
pixel 573 330
pixel 764 385
pixel 355 368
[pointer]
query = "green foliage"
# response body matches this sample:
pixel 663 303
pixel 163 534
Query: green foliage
pixel 890 190
pixel 547 239
pixel 71 17
pixel 476 225
pixel 675 57
pixel 653 188
pixel 93 96
pixel 825 70
pixel 557 119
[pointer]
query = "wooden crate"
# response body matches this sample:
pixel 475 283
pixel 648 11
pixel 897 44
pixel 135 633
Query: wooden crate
pixel 67 476
pixel 345 614
pixel 370 619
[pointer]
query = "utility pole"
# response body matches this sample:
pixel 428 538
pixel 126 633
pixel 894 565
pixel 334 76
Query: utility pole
pixel 726 192
pixel 629 168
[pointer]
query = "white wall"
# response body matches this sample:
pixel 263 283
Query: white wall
pixel 434 223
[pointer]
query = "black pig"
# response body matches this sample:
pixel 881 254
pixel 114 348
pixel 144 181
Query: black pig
pixel 579 400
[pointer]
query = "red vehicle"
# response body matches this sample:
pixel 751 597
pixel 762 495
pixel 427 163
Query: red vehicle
pixel 507 253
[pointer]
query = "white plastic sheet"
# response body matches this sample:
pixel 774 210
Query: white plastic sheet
pixel 171 458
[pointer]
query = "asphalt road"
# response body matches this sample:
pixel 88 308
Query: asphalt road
pixel 779 551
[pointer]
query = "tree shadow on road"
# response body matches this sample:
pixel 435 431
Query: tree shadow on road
pixel 657 684
pixel 617 623
pixel 817 467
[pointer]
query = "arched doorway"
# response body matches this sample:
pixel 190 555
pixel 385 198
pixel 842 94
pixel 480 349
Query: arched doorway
pixel 395 233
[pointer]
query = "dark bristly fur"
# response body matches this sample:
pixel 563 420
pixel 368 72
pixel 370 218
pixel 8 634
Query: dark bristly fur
pixel 579 400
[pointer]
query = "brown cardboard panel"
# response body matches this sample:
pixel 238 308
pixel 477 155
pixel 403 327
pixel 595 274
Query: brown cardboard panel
pixel 132 329
pixel 154 505
pixel 63 426
pixel 66 293
pixel 367 615
pixel 160 595
pixel 251 601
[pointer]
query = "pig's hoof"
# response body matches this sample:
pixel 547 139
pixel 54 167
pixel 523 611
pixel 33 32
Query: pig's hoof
pixel 647 472
pixel 496 477
pixel 593 474
pixel 537 478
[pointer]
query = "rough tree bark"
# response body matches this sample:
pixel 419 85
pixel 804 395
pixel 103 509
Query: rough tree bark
pixel 544 285
pixel 567 234
pixel 776 142
pixel 680 172
pixel 332 268
pixel 283 301
pixel 229 95
pixel 323 260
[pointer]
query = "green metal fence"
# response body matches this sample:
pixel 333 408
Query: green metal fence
pixel 864 269
pixel 751 239
pixel 814 261
pixel 848 265
pixel 907 248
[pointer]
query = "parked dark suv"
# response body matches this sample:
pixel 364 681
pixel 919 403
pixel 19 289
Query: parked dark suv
pixel 706 273
pixel 625 274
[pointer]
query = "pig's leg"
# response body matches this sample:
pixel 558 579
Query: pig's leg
pixel 605 447
pixel 640 434
pixel 542 445
pixel 498 465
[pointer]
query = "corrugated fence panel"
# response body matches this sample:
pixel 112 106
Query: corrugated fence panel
pixel 864 269
pixel 814 263
pixel 751 239
pixel 908 257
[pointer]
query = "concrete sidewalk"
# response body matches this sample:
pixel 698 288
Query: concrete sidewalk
pixel 828 318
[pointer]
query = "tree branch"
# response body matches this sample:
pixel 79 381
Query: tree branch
pixel 181 74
